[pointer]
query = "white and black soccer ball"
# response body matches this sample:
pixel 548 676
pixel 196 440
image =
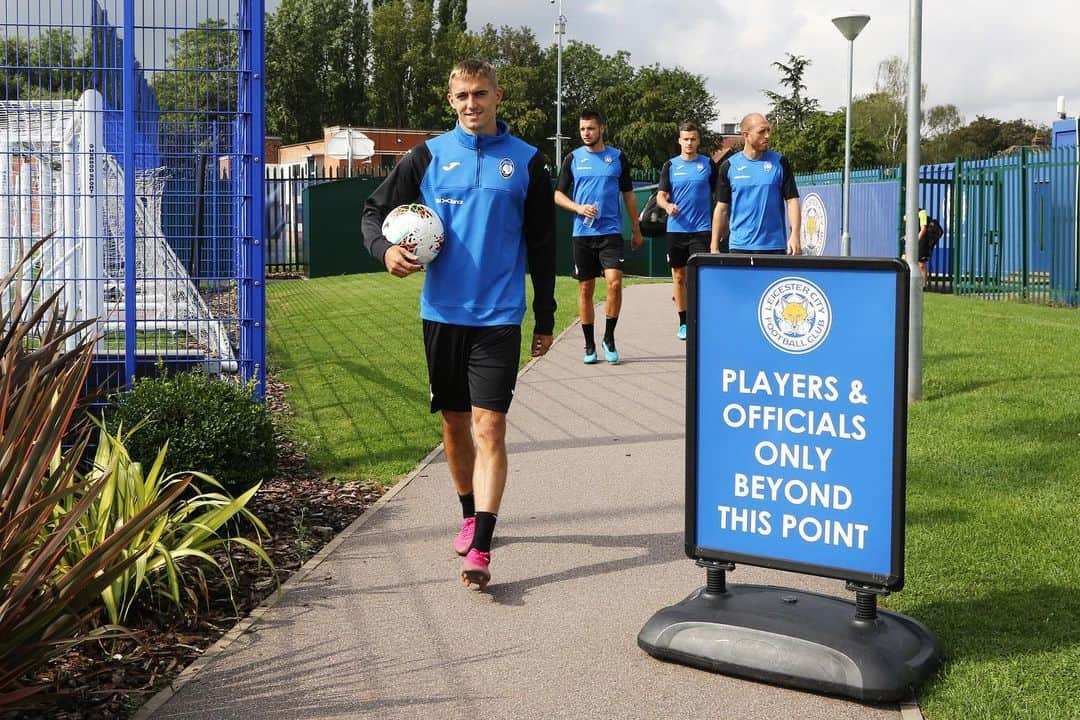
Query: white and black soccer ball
pixel 415 228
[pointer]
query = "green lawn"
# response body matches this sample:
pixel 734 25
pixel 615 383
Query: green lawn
pixel 994 463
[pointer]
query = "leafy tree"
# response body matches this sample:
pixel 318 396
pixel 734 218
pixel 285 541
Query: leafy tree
pixel 586 74
pixel 317 66
pixel 199 85
pixel 819 146
pixel 644 114
pixel 452 14
pixel 795 108
pixel 48 66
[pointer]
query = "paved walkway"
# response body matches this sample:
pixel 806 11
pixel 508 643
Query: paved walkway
pixel 589 545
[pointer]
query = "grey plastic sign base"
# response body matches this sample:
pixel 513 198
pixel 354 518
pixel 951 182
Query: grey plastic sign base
pixel 796 639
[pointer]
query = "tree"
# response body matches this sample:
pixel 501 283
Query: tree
pixel 644 114
pixel 317 66
pixel 819 145
pixel 200 85
pixel 45 67
pixel 795 108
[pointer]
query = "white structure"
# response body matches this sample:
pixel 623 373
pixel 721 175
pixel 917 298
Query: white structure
pixel 58 181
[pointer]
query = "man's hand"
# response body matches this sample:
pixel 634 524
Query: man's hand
pixel 636 240
pixel 589 211
pixel 793 245
pixel 672 210
pixel 400 262
pixel 541 344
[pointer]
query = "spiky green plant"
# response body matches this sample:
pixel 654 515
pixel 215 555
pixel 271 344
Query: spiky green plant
pixel 46 608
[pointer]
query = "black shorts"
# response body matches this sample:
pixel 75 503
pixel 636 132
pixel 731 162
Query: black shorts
pixel 681 245
pixel 926 247
pixel 593 254
pixel 472 366
pixel 734 251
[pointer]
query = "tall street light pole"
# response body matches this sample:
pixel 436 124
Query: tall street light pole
pixel 849 26
pixel 560 30
pixel 911 235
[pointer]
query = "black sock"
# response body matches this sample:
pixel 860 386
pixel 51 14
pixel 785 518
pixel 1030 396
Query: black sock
pixel 590 340
pixel 485 528
pixel 682 317
pixel 468 505
pixel 609 332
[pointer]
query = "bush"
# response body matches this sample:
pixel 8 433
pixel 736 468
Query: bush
pixel 213 425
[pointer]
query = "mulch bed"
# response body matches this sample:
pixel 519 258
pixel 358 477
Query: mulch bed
pixel 301 511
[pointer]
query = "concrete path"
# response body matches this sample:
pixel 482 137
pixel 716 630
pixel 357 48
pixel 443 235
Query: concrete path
pixel 589 544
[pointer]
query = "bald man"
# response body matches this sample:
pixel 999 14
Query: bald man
pixel 755 191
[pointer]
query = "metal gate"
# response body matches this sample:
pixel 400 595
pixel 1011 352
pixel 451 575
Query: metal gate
pixel 131 137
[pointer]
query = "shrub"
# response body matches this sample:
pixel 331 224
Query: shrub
pixel 214 425
pixel 47 606
pixel 181 538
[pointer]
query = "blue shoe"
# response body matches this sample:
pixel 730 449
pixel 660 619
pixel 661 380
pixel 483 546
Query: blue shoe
pixel 590 357
pixel 682 332
pixel 612 356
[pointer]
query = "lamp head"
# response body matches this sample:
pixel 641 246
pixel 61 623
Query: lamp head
pixel 850 25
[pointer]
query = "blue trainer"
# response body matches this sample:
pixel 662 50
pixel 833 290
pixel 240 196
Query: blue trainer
pixel 590 357
pixel 610 354
pixel 682 332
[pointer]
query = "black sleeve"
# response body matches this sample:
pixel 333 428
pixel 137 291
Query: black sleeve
pixel 626 184
pixel 565 185
pixel 723 183
pixel 665 178
pixel 400 187
pixel 540 244
pixel 788 189
pixel 713 170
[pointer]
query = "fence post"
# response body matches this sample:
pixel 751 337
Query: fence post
pixel 1024 238
pixel 957 228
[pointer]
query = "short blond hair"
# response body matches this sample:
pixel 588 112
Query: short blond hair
pixel 474 68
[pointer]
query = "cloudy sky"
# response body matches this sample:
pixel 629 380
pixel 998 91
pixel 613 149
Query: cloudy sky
pixel 996 58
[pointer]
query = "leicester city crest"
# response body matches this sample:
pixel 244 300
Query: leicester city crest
pixel 506 167
pixel 814 225
pixel 794 315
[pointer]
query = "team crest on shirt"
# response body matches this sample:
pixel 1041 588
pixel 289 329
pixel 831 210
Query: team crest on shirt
pixel 506 167
pixel 701 167
pixel 767 166
pixel 607 159
pixel 794 315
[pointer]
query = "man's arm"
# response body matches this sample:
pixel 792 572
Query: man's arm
pixel 794 216
pixel 635 226
pixel 565 185
pixel 791 198
pixel 663 191
pixel 721 219
pixel 540 250
pixel 400 187
pixel 721 225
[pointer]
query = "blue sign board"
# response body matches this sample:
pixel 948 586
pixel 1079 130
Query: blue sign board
pixel 797 414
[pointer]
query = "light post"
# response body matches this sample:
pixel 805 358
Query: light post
pixel 560 30
pixel 849 26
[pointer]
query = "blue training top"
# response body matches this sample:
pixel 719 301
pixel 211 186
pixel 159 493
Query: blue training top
pixel 596 178
pixel 689 184
pixel 493 196
pixel 757 191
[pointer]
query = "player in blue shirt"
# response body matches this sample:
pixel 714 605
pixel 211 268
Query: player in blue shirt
pixel 590 183
pixel 685 194
pixel 755 189
pixel 493 195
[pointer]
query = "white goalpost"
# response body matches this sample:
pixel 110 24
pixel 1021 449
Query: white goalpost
pixel 58 181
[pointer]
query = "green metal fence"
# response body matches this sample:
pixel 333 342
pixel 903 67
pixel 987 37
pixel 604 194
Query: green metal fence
pixel 1015 227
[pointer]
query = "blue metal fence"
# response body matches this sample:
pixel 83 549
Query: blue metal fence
pixel 873 219
pixel 131 135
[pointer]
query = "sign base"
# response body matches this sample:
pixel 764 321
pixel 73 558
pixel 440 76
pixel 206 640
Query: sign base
pixel 796 639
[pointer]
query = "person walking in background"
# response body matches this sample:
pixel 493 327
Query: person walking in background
pixel 590 182
pixel 493 195
pixel 685 194
pixel 930 231
pixel 755 189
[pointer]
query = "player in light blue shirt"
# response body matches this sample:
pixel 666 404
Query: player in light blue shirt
pixel 755 189
pixel 685 194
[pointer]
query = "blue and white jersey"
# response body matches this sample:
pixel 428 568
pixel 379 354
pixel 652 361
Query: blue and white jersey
pixel 689 184
pixel 757 191
pixel 596 178
pixel 493 196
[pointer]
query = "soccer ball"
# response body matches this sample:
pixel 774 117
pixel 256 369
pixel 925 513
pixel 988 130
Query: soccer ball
pixel 415 228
